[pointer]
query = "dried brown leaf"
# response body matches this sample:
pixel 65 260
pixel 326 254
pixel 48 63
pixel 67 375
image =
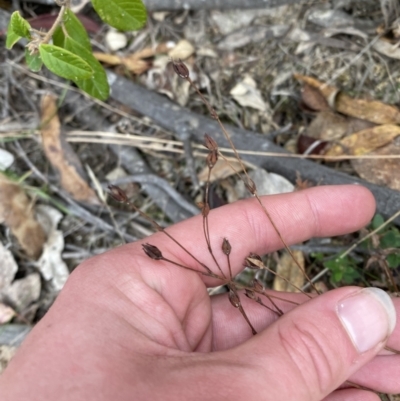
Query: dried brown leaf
pixel 221 170
pixel 365 141
pixel 61 155
pixel 16 211
pixel 313 99
pixel 381 171
pixel 288 269
pixel 371 110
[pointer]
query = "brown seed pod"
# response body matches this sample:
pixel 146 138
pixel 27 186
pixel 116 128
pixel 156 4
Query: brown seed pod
pixel 212 159
pixel 205 209
pixel 234 299
pixel 210 143
pixel 152 252
pixel 256 284
pixel 180 69
pixel 226 247
pixel 117 193
pixel 253 264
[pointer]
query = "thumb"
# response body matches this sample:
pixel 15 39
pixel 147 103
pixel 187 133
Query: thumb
pixel 313 349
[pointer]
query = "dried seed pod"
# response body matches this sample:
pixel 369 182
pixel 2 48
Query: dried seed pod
pixel 250 185
pixel 210 143
pixel 212 159
pixel 117 193
pixel 205 209
pixel 180 69
pixel 226 247
pixel 253 261
pixel 250 294
pixel 257 285
pixel 234 299
pixel 152 251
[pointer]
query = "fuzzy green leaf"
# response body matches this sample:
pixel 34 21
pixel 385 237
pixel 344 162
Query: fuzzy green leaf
pixel 64 63
pixel 33 61
pixel 18 28
pixel 12 39
pixel 97 85
pixel 74 29
pixel 125 15
pixel 19 25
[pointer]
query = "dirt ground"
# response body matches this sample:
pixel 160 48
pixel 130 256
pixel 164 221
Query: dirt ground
pixel 245 63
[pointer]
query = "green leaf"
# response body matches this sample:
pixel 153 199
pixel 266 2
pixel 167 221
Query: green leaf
pixel 96 86
pixel 12 39
pixel 18 28
pixel 34 61
pixel 19 25
pixel 125 15
pixel 391 239
pixel 393 260
pixel 377 221
pixel 64 63
pixel 74 29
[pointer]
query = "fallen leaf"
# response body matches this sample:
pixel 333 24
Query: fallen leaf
pixel 288 272
pixel 135 62
pixel 51 266
pixel 221 170
pixel 266 183
pixel 6 314
pixel 371 110
pixel 16 211
pixel 23 292
pixel 247 94
pixel 6 159
pixel 8 268
pixel 61 155
pixel 115 40
pixel 387 49
pixel 6 354
pixel 365 141
pixel 312 98
pixel 183 50
pixel 381 171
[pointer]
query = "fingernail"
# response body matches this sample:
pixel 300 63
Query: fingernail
pixel 368 316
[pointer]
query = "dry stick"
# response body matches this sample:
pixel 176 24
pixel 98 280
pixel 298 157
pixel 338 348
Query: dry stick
pixel 249 184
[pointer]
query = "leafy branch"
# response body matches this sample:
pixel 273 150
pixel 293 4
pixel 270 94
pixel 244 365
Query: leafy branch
pixel 70 55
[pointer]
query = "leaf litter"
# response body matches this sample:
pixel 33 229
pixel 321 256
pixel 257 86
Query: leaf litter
pixel 271 67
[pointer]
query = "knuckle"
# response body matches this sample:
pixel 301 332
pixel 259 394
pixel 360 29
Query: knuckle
pixel 310 354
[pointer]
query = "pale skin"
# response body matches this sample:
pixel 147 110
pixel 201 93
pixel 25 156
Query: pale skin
pixel 126 327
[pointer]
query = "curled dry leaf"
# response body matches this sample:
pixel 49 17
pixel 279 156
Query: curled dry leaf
pixel 183 50
pixel 266 184
pixel 61 155
pixel 24 292
pixel 8 268
pixel 135 62
pixel 288 269
pixel 247 94
pixel 16 211
pixel 365 141
pixel 51 266
pixel 371 110
pixel 381 171
pixel 6 313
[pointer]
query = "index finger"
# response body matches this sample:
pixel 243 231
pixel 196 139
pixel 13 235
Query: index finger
pixel 314 212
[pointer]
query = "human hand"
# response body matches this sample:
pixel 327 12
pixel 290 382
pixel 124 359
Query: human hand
pixel 126 327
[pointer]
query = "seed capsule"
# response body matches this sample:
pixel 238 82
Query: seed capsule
pixel 226 247
pixel 210 143
pixel 181 69
pixel 117 193
pixel 234 299
pixel 152 252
